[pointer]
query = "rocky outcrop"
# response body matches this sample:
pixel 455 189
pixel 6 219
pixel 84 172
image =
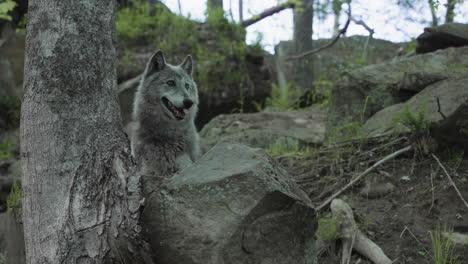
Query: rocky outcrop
pixel 328 64
pixel 441 37
pixel 391 83
pixel 438 102
pixel 234 205
pixel 260 130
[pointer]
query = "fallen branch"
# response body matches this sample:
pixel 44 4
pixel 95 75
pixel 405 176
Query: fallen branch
pixel 328 45
pixel 353 237
pixel 450 179
pixel 352 182
pixel 266 13
pixel 128 84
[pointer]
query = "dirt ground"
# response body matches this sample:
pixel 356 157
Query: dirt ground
pixel 399 220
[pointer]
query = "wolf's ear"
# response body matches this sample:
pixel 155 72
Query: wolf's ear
pixel 187 65
pixel 156 63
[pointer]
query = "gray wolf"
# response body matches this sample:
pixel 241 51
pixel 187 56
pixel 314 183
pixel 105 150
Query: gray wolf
pixel 164 137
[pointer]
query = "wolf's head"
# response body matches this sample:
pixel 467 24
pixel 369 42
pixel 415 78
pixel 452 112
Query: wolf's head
pixel 168 91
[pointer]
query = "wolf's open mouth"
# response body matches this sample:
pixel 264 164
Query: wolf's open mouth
pixel 178 113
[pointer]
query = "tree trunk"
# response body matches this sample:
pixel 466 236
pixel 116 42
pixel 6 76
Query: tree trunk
pixel 81 197
pixel 302 39
pixel 336 6
pixel 214 4
pixel 435 21
pixel 241 11
pixel 450 14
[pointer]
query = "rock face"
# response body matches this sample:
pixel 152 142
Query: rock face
pixel 451 93
pixel 328 63
pixel 11 64
pixel 391 83
pixel 260 130
pixel 441 37
pixel 234 205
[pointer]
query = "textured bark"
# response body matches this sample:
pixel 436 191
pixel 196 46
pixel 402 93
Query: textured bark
pixel 81 197
pixel 302 38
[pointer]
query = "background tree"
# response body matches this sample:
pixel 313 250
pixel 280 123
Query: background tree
pixel 214 4
pixel 302 41
pixel 81 196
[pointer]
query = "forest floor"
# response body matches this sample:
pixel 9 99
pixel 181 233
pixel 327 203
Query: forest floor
pixel 399 221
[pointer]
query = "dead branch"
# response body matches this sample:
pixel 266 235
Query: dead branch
pixel 352 182
pixel 371 34
pixel 128 84
pixel 450 179
pixel 438 109
pixel 353 237
pixel 328 45
pixel 266 13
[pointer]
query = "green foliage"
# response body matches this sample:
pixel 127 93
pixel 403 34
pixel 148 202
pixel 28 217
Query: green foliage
pixel 328 229
pixel 21 27
pixel 178 36
pixel 14 199
pixel 285 147
pixel 127 57
pixel 10 112
pixel 442 247
pixel 350 131
pixel 5 7
pixel 283 99
pixel 414 121
pixel 323 91
pixel 6 150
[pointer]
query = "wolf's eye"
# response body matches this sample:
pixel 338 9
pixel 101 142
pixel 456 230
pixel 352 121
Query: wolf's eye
pixel 171 83
pixel 187 86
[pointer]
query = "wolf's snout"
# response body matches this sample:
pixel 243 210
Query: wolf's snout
pixel 188 103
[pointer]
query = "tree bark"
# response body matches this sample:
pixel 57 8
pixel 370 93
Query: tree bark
pixel 450 13
pixel 302 39
pixel 81 195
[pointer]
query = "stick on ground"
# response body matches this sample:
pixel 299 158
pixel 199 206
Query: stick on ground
pixel 450 179
pixel 352 182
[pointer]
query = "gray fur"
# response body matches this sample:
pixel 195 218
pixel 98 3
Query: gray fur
pixel 161 144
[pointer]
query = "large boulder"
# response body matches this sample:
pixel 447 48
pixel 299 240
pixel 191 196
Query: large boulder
pixel 260 130
pixel 443 105
pixel 441 37
pixel 386 84
pixel 234 205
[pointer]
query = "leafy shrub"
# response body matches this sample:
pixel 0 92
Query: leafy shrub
pixel 5 7
pixel 6 150
pixel 178 36
pixel 10 112
pixel 414 121
pixel 14 199
pixel 283 99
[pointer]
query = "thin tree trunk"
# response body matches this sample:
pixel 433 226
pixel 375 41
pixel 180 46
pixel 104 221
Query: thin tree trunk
pixel 336 6
pixel 450 13
pixel 302 39
pixel 241 11
pixel 81 197
pixel 435 21
pixel 213 4
pixel 180 7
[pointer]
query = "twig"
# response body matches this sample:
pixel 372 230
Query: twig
pixel 432 189
pixel 450 179
pixel 417 240
pixel 371 34
pixel 438 109
pixel 331 43
pixel 352 182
